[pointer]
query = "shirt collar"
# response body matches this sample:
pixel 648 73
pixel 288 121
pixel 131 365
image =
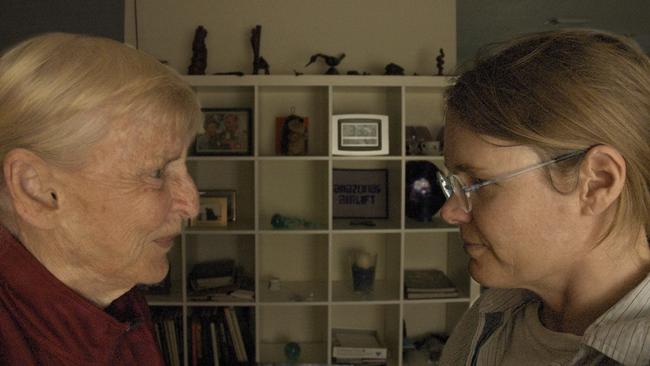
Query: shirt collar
pixel 54 313
pixel 621 332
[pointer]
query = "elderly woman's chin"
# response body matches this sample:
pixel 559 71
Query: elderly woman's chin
pixel 155 273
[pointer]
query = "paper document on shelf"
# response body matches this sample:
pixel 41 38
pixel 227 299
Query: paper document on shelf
pixel 357 343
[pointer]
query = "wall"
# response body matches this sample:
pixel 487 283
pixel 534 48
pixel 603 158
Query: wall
pixel 372 33
pixel 482 22
pixel 20 19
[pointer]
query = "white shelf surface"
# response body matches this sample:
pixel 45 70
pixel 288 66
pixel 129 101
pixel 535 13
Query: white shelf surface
pixel 310 352
pixel 298 292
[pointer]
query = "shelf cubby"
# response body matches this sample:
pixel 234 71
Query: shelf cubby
pixel 304 101
pixel 299 263
pixel 305 325
pixel 295 189
pixel 387 271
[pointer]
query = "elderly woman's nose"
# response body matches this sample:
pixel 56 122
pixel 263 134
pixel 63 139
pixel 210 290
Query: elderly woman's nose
pixel 186 197
pixel 454 213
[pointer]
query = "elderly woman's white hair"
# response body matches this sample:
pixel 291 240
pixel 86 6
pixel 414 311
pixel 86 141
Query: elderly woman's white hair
pixel 59 94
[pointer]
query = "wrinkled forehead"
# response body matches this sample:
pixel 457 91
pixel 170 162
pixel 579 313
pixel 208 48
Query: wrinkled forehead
pixel 464 147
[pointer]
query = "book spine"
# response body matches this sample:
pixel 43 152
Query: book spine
pixel 240 339
pixel 215 350
pixel 233 334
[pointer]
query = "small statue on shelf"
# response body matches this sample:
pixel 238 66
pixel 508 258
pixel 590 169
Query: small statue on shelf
pixel 259 63
pixel 199 52
pixel 440 60
pixel 293 135
pixel 393 69
pixel 331 61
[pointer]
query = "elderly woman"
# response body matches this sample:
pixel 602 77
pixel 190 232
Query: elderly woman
pixel 547 146
pixel 93 140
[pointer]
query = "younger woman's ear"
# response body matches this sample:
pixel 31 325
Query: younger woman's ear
pixel 602 177
pixel 30 186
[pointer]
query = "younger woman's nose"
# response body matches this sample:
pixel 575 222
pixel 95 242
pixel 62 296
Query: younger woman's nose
pixel 454 213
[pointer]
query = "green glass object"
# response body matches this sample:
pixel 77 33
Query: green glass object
pixel 290 222
pixel 292 351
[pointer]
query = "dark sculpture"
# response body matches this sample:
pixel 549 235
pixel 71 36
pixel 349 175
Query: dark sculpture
pixel 259 63
pixel 423 194
pixel 331 61
pixel 199 53
pixel 440 60
pixel 393 69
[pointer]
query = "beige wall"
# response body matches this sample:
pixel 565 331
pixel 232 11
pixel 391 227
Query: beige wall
pixel 372 33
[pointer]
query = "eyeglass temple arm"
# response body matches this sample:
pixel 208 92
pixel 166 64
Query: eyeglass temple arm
pixel 563 157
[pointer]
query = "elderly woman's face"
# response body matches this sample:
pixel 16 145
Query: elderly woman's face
pixel 126 205
pixel 520 232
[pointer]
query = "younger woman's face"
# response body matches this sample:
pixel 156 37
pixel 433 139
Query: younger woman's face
pixel 520 232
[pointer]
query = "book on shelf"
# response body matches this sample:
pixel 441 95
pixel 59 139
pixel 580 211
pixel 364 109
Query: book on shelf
pixel 168 331
pixel 213 343
pixel 221 336
pixel 360 344
pixel 428 284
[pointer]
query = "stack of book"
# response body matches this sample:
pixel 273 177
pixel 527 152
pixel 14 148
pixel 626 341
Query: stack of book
pixel 428 284
pixel 358 347
pixel 220 281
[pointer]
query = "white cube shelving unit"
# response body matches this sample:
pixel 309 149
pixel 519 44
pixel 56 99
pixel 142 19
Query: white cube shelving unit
pixel 315 292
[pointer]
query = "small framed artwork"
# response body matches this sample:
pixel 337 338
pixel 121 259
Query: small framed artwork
pixel 231 197
pixel 213 211
pixel 225 132
pixel 291 135
pixel 360 193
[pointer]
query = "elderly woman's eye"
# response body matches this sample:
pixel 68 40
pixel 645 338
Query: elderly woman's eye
pixel 158 173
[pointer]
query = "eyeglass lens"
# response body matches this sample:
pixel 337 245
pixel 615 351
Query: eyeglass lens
pixel 458 186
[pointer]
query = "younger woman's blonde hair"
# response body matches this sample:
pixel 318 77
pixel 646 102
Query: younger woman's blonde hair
pixel 60 93
pixel 566 90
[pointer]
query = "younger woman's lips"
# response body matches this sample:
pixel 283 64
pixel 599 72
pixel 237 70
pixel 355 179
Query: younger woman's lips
pixel 472 247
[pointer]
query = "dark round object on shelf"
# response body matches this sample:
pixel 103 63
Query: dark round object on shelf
pixel 424 196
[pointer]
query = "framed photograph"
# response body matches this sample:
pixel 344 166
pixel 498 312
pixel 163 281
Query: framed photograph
pixel 360 193
pixel 229 194
pixel 213 211
pixel 291 135
pixel 225 132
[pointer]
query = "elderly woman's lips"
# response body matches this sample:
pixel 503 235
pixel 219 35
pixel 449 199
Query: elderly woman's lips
pixel 166 242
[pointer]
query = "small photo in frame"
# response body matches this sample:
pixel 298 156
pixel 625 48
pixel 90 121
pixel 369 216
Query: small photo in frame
pixel 229 194
pixel 225 132
pixel 213 211
pixel 291 135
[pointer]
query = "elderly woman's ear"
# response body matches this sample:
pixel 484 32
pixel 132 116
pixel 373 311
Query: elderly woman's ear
pixel 30 184
pixel 602 177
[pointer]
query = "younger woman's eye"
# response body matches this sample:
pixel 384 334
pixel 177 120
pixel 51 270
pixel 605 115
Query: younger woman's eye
pixel 476 181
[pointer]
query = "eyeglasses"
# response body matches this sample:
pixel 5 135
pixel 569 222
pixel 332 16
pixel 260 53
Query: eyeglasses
pixel 453 185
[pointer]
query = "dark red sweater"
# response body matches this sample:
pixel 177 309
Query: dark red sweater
pixel 44 322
